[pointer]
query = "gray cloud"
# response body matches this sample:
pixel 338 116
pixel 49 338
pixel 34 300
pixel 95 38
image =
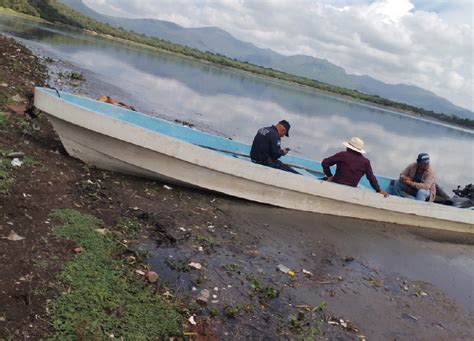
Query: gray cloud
pixel 417 42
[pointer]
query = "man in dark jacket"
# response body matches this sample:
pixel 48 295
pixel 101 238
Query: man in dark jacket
pixel 351 166
pixel 266 146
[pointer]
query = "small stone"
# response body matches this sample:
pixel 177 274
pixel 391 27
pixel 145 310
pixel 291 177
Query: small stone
pixel 194 265
pixel 17 98
pixel 152 276
pixel 78 249
pixel 203 296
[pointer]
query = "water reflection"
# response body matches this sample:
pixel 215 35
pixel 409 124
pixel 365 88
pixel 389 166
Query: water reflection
pixel 237 104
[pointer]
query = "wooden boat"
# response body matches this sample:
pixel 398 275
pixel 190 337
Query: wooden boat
pixel 121 140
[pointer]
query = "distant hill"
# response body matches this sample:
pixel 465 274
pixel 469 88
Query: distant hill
pixel 216 40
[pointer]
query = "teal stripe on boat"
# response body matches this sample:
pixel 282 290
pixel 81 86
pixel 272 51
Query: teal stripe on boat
pixel 187 134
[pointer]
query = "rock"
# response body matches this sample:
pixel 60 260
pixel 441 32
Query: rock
pixel 203 296
pixel 4 85
pixel 17 98
pixel 152 276
pixel 194 265
pixel 13 236
pixel 78 249
pixel 18 108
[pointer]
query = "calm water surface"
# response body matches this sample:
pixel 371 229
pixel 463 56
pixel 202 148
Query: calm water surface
pixel 236 105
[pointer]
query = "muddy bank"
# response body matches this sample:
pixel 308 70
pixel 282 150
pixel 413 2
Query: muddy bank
pixel 363 280
pixel 378 277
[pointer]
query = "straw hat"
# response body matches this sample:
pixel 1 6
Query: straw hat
pixel 356 144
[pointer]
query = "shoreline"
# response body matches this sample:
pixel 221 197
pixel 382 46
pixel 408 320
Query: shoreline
pixel 275 80
pixel 378 289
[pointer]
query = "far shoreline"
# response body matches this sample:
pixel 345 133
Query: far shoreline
pixel 345 98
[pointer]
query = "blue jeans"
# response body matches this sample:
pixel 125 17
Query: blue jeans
pixel 400 190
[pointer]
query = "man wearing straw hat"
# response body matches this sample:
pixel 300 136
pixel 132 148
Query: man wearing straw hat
pixel 351 166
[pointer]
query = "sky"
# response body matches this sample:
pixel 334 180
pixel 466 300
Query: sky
pixel 428 43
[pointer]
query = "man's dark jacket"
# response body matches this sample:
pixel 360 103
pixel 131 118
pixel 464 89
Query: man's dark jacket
pixel 266 144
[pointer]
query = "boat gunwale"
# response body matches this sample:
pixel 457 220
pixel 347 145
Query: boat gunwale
pixel 265 175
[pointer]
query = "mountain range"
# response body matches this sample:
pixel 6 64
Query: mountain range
pixel 216 40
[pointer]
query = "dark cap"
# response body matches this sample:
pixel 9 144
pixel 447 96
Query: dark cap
pixel 287 126
pixel 423 158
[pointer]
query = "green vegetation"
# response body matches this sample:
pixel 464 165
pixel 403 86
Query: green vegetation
pixel 74 76
pixel 53 11
pixel 206 242
pixel 232 311
pixel 129 227
pixel 98 298
pixel 5 178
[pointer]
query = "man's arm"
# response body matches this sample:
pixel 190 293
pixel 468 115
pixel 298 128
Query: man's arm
pixel 275 150
pixel 373 180
pixel 428 182
pixel 328 162
pixel 405 175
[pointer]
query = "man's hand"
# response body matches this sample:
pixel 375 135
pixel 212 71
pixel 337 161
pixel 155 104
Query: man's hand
pixel 330 178
pixel 406 180
pixel 385 194
pixel 285 150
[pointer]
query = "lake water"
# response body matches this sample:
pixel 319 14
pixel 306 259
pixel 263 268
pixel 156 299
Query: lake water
pixel 235 104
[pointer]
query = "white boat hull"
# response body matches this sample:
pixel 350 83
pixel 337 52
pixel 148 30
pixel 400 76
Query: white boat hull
pixel 118 146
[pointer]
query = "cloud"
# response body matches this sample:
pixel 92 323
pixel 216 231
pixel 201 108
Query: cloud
pixel 416 42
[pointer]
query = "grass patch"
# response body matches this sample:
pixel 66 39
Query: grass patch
pixel 5 178
pixel 206 242
pixel 99 300
pixel 130 227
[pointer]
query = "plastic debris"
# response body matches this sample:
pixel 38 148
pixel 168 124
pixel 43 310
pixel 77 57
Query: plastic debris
pixel 409 316
pixel 191 320
pixel 286 270
pixel 13 236
pixel 421 293
pixel 200 249
pixel 102 231
pixel 167 187
pixel 140 272
pixel 15 155
pixel 16 162
pixel 283 268
pixel 194 265
pixel 152 276
pixel 308 273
